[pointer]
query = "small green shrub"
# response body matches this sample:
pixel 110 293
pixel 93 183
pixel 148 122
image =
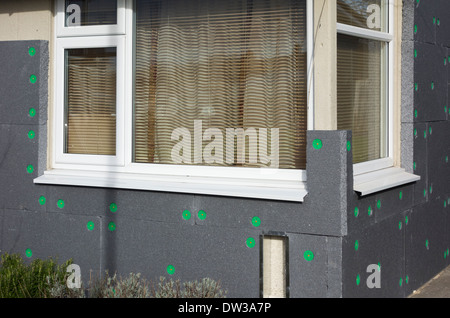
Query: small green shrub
pixel 59 289
pixel 132 286
pixel 35 280
pixel 47 279
pixel 206 288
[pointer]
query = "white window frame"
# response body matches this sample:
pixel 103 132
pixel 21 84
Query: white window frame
pixel 59 123
pixel 119 171
pixel 388 38
pixel 377 175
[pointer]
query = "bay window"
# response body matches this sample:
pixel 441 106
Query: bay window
pixel 211 96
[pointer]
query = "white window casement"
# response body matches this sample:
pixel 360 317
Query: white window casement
pixel 207 97
pixel 367 53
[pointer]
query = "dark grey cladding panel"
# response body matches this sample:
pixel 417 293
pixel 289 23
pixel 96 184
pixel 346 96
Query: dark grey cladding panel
pixel 442 22
pixel 430 82
pixel 381 244
pixel 308 255
pixel 438 140
pixel 53 235
pixel 185 252
pixel 420 162
pixel 424 21
pixel 19 91
pixel 22 194
pixel 330 179
pixel 427 242
pixel 19 146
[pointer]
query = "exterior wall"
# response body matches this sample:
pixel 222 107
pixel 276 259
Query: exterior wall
pixel 26 20
pixel 329 246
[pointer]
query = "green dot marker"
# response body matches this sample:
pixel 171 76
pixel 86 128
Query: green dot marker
pixel 60 204
pixel 33 79
pixel 308 255
pixel 186 214
pixel 113 207
pixel 317 144
pixel 32 51
pixel 250 242
pixel 379 204
pixel 256 221
pixel 90 225
pixel 416 87
pixel 414 165
pixel 400 282
pixel 416 113
pixel 370 211
pixel 170 269
pixel 400 195
pixel 415 29
pixel 415 53
pixel 31 134
pixel 42 200
pixel 406 220
pixel 358 280
pixel 356 245
pixel 427 244
pixel 112 226
pixel 356 212
pixel 400 225
pixel 30 169
pixel 201 215
pixel 349 146
pixel 28 253
pixel 32 112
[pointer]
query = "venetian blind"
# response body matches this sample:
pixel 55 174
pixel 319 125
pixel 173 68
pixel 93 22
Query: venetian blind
pixel 91 101
pixel 361 95
pixel 227 64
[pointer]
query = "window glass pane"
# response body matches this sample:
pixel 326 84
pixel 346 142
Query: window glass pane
pixel 361 95
pixel 90 106
pixel 368 14
pixel 90 12
pixel 205 66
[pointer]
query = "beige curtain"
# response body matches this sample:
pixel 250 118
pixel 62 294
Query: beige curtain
pixel 228 64
pixel 91 101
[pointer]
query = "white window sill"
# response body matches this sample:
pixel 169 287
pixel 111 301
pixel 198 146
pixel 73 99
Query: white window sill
pixel 383 179
pixel 233 187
